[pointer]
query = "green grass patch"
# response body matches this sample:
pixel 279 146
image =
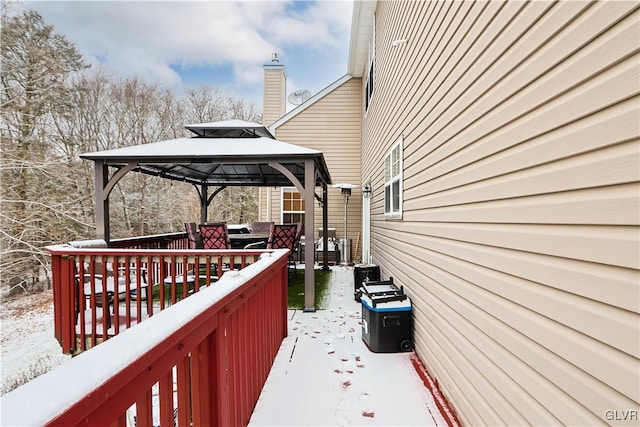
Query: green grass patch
pixel 296 289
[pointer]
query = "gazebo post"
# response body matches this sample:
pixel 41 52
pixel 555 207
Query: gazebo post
pixel 309 227
pixel 204 204
pixel 325 227
pixel 102 200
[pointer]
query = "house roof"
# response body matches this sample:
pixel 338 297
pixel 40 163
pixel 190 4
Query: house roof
pixel 211 158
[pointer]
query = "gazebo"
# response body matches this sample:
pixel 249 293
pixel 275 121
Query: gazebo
pixel 221 154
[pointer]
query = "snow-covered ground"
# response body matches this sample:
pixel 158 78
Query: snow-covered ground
pixel 28 345
pixel 324 374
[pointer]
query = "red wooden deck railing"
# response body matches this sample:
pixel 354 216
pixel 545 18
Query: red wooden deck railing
pixel 200 362
pixel 99 293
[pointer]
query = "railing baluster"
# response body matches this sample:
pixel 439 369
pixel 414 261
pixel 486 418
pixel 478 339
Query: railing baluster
pixel 163 274
pixel 80 300
pixel 184 391
pixel 120 422
pixel 165 391
pixel 115 320
pixel 127 291
pixel 139 295
pixel 144 410
pixel 201 384
pixel 185 281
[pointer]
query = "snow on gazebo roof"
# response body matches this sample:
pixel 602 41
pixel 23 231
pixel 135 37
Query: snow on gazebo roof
pixel 242 157
pixel 230 129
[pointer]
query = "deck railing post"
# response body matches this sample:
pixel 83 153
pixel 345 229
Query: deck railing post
pixel 67 304
pixel 219 373
pixel 284 289
pixel 56 273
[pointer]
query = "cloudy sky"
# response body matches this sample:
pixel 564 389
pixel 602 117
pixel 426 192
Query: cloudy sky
pixel 222 43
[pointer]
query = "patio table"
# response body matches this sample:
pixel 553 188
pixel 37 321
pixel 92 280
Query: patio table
pixel 239 241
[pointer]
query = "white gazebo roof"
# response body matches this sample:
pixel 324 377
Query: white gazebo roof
pixel 211 158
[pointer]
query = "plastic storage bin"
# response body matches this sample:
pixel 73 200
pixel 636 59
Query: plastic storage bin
pixel 364 273
pixel 386 317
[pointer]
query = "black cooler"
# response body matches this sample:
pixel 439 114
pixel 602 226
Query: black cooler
pixel 386 317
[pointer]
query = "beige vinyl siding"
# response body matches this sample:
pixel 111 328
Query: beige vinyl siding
pixel 263 203
pixel 332 125
pixel 275 86
pixel 519 241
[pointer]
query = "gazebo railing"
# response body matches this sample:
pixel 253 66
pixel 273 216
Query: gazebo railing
pixel 98 293
pixel 201 362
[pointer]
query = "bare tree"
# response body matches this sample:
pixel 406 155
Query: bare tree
pixel 36 65
pixel 52 111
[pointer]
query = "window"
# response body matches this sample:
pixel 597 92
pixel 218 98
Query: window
pixel 292 206
pixel 393 181
pixel 368 90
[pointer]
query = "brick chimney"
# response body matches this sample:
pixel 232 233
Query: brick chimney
pixel 275 88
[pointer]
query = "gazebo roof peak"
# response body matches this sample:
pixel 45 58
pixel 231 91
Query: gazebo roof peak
pixel 229 129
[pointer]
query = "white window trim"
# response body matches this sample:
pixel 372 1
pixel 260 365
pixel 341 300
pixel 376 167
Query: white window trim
pixel 399 177
pixel 282 211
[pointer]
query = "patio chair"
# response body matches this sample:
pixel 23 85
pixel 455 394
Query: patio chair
pixel 286 236
pixel 193 235
pixel 215 235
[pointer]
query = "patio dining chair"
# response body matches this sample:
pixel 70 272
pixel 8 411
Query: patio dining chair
pixel 215 235
pixel 286 236
pixel 193 235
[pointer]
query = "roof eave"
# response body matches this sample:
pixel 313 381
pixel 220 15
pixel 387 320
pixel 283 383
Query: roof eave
pixel 233 158
pixel 361 24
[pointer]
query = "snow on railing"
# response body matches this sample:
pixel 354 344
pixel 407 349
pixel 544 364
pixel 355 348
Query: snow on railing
pixel 99 292
pixel 200 362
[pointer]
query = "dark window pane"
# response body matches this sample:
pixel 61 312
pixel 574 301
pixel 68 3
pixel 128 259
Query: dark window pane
pixel 387 199
pixel 396 196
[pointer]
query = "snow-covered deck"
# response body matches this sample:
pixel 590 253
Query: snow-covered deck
pixel 324 374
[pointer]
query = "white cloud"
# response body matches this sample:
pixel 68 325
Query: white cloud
pixel 145 38
pixel 323 25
